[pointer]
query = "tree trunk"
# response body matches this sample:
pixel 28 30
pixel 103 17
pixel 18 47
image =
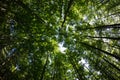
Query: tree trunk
pixel 75 68
pixel 112 38
pixel 44 68
pixel 93 47
pixel 67 11
pixel 112 64
pixel 117 26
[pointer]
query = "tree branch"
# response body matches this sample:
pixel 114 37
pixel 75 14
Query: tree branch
pixel 67 11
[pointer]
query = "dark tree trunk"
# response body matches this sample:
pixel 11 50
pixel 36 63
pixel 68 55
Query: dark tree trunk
pixel 102 70
pixel 67 11
pixel 93 47
pixel 80 77
pixel 112 38
pixel 117 26
pixel 112 64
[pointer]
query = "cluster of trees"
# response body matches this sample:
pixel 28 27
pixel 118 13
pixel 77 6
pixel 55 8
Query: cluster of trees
pixel 32 31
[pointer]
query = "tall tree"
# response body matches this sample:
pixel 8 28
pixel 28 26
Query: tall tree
pixel 59 40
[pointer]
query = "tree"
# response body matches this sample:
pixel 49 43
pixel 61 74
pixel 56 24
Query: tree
pixel 59 40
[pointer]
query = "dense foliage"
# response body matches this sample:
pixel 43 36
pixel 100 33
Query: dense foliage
pixel 59 40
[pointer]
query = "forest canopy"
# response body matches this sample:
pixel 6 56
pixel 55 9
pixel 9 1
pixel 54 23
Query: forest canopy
pixel 59 39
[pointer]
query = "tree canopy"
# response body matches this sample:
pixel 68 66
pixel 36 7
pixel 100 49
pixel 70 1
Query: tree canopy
pixel 59 39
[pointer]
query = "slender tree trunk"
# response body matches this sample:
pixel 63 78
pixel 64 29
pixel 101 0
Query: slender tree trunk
pixel 67 11
pixel 75 68
pixel 112 14
pixel 44 68
pixel 91 72
pixel 112 38
pixel 117 26
pixel 102 70
pixel 93 47
pixel 112 64
pixel 108 75
pixel 107 43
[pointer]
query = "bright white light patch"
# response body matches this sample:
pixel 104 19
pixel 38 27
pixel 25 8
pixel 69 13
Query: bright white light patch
pixel 76 79
pixel 84 62
pixel 106 40
pixel 61 48
pixel 98 72
pixel 68 70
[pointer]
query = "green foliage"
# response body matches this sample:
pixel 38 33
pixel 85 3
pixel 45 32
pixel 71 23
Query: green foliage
pixel 59 40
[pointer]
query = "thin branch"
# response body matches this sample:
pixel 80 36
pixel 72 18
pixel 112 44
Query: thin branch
pixel 67 11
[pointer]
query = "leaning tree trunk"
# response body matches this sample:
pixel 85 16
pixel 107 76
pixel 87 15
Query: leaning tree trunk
pixel 107 53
